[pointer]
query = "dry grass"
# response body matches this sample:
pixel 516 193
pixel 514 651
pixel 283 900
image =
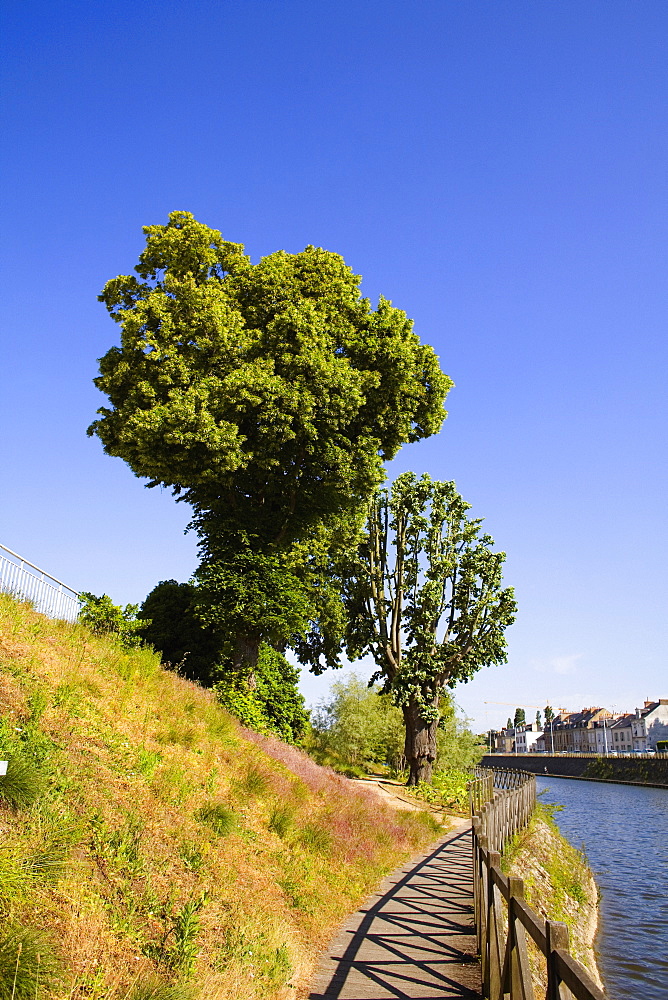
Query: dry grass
pixel 170 853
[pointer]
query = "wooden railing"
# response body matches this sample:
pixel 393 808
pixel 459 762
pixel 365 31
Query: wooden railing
pixel 503 919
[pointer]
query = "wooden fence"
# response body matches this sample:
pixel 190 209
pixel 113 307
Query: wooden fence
pixel 501 806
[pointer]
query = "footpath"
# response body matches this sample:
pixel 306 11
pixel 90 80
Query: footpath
pixel 414 938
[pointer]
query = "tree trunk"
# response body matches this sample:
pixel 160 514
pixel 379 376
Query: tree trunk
pixel 420 744
pixel 245 657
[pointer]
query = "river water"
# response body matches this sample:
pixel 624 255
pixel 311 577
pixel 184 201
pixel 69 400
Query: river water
pixel 624 831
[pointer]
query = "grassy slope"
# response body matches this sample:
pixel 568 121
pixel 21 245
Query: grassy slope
pixel 168 848
pixel 558 884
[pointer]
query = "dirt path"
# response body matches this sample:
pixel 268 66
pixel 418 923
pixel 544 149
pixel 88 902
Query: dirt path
pixel 394 794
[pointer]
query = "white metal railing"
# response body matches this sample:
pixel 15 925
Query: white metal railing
pixel 49 596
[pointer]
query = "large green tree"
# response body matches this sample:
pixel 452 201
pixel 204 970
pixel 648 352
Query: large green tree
pixel 425 598
pixel 267 396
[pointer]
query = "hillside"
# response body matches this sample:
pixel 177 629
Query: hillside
pixel 150 847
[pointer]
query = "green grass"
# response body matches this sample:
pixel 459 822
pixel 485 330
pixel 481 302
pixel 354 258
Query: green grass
pixel 174 857
pixel 28 966
pixel 220 818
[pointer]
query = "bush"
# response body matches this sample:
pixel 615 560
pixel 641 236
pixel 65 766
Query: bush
pixel 103 617
pixel 360 729
pixel 270 702
pixel 169 622
pixel 357 728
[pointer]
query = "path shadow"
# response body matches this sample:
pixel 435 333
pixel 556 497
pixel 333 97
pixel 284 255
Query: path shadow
pixel 414 941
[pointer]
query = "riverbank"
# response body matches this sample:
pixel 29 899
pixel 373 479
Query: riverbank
pixel 622 829
pixel 559 885
pixel 620 770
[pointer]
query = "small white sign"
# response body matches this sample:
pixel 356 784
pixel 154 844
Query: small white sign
pixel 3 767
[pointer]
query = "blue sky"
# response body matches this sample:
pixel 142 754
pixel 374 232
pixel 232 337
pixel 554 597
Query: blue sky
pixel 497 169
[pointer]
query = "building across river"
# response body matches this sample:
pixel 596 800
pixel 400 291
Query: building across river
pixel 591 730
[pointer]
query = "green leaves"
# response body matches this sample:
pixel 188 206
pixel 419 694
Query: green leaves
pixel 103 617
pixel 267 396
pixel 425 593
pixel 274 381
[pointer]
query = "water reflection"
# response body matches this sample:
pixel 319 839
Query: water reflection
pixel 624 831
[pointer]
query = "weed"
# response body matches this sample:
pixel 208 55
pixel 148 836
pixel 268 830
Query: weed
pixel 47 864
pixel 147 761
pixel 219 725
pixel 293 893
pixel 315 838
pixel 253 783
pixel 68 696
pixel 184 736
pixel 22 784
pixel 155 988
pixel 250 948
pixel 173 785
pixel 186 928
pixel 38 703
pixel 192 855
pixel 177 948
pixel 220 818
pixel 120 846
pixel 14 879
pixel 27 964
pixel 281 820
pixel 278 966
pixel 210 782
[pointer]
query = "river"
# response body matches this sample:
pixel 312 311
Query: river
pixel 624 831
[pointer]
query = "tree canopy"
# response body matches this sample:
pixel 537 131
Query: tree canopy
pixel 267 396
pixel 170 623
pixel 425 598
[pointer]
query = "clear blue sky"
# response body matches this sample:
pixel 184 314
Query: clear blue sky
pixel 497 169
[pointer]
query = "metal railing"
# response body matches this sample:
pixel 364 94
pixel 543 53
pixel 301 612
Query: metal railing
pixel 503 919
pixel 48 595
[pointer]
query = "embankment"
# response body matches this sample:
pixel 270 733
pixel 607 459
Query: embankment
pixel 559 885
pixel 623 770
pixel 169 852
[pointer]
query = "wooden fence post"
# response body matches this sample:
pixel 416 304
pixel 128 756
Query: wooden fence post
pixel 556 935
pixel 492 979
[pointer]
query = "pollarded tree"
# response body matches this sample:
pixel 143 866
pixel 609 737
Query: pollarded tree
pixel 267 396
pixel 425 598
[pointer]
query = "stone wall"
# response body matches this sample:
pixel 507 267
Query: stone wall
pixel 641 771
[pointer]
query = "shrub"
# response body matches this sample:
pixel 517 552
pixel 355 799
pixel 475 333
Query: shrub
pixel 103 617
pixel 273 704
pixel 169 622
